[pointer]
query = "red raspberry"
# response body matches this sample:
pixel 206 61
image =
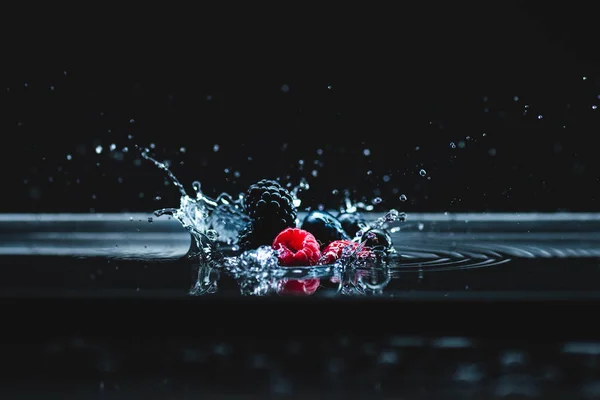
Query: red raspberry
pixel 333 251
pixel 296 247
pixel 301 287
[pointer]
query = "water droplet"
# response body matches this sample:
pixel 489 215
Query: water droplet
pixel 98 149
pixel 112 147
pixel 150 219
pixel 196 186
pixel 182 149
pixel 377 200
pixel 452 145
pixel 216 148
pixel 403 197
pixel 366 152
pixel 131 121
pixel 69 157
pixel 422 172
pixel 285 88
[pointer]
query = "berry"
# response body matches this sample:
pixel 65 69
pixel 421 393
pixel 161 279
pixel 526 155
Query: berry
pixel 351 223
pixel 298 287
pixel 270 208
pixel 325 227
pixel 296 247
pixel 377 239
pixel 334 251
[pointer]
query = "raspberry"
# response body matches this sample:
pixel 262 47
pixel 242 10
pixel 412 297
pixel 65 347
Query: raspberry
pixel 333 251
pixel 302 287
pixel 296 247
pixel 271 209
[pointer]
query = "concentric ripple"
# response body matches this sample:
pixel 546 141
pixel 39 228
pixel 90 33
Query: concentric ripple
pixel 432 258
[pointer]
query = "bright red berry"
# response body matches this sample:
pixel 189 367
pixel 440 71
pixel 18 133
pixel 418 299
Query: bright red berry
pixel 298 287
pixel 334 251
pixel 296 247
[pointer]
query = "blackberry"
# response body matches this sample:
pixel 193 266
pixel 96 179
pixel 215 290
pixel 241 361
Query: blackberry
pixel 270 208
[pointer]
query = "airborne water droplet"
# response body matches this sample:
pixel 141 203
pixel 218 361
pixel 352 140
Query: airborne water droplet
pixel 422 172
pixel 403 197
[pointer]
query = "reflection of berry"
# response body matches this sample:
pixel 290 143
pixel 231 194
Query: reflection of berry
pixel 298 287
pixel 334 251
pixel 324 226
pixel 296 247
pixel 271 209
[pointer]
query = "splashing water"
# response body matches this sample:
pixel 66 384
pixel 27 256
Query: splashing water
pixel 214 222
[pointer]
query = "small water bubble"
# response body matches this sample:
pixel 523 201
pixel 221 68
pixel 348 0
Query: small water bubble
pixel 237 174
pixel 366 152
pixel 130 219
pixel 369 172
pixel 540 116
pixel 182 149
pixel 420 226
pixel 452 145
pixel 129 137
pixel 516 98
pixel 131 121
pixel 216 148
pixel 125 149
pixel 112 147
pixel 320 152
pixel 157 198
pixel 461 144
pixel 492 152
pixel 422 172
pixel 329 87
pixel 69 157
pixel 403 197
pixel 285 88
pixel 377 200
pixel 52 88
pixel 594 107
pixel 386 178
pixel 94 197
pixel 314 173
pixel 98 149
pixel 335 192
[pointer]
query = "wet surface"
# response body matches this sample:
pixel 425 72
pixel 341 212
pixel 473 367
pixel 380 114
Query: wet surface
pixel 437 255
pixel 497 307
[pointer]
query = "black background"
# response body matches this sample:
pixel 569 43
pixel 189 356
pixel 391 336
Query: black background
pixel 273 87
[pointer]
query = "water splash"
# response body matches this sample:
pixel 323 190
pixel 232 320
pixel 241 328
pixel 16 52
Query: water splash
pixel 214 222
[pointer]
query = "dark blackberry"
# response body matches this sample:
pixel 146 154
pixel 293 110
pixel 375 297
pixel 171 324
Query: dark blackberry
pixel 267 198
pixel 271 209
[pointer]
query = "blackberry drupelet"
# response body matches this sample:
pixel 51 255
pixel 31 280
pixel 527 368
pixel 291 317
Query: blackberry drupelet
pixel 271 209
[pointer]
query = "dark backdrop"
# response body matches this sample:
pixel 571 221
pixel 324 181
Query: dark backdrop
pixel 496 103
